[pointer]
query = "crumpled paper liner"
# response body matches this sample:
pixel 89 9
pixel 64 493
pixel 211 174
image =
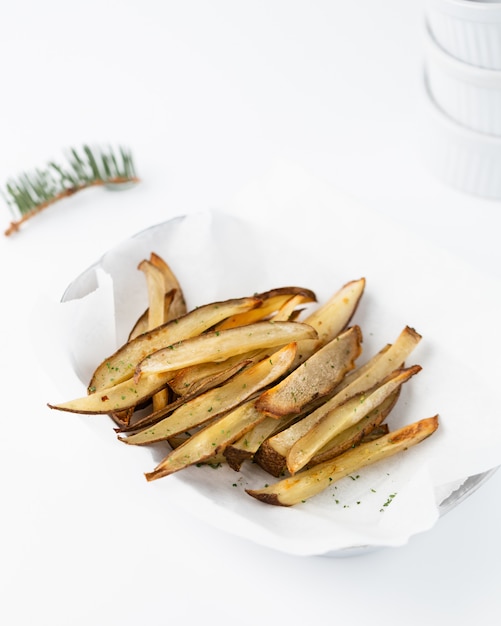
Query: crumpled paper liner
pixel 289 228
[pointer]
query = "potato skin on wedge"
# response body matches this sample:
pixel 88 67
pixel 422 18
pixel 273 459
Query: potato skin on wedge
pixel 358 432
pixel 215 402
pixel 344 416
pixel 334 315
pixel 209 441
pixel 220 345
pixel 315 377
pixel 272 303
pixel 308 483
pixel 122 364
pixel 125 395
pixel 273 453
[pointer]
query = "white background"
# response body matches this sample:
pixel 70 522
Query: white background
pixel 209 95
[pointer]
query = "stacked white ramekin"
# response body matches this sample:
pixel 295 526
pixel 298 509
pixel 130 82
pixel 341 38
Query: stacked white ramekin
pixel 463 93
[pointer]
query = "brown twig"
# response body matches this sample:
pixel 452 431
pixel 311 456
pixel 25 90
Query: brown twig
pixel 66 193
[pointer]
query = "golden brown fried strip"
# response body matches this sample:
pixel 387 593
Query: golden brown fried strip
pixel 217 401
pixel 209 441
pixel 358 432
pixel 122 364
pixel 308 483
pixel 220 345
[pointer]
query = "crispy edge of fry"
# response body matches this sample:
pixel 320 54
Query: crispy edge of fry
pixel 310 482
pixel 123 396
pixel 289 290
pixel 174 301
pixel 123 418
pixel 331 318
pixel 289 311
pixel 178 307
pixel 334 315
pixel 272 302
pixel 155 286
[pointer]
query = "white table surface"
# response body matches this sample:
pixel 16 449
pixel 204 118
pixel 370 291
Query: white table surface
pixel 209 95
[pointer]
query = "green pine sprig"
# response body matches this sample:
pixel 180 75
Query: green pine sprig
pixel 31 192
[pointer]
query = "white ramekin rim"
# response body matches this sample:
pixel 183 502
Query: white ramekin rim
pixel 467 136
pixel 461 70
pixel 472 10
pixel 466 160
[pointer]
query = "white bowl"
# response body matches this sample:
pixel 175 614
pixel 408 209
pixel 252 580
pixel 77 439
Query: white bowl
pixel 227 242
pixel 462 158
pixel 467 29
pixel 468 94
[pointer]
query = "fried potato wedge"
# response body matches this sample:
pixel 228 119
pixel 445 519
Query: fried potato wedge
pixel 315 377
pixel 288 291
pixel 338 419
pixel 171 282
pixel 156 292
pixel 123 396
pixel 218 345
pixel 190 379
pixel 243 449
pixel 151 417
pixel 122 364
pixel 332 317
pixel 174 301
pixel 123 418
pixel 310 482
pixel 271 302
pixel 215 402
pixel 272 454
pixel 389 358
pixel 142 326
pixel 267 378
pixel 213 375
pixel 354 434
pixel 209 441
pixel 289 311
pixel 211 381
pixel 157 315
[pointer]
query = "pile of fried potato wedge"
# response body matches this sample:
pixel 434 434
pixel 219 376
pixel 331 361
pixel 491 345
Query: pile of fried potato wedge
pixel 248 380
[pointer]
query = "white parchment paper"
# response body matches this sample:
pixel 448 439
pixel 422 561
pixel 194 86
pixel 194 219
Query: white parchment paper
pixel 289 228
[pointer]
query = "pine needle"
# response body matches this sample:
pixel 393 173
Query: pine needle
pixel 31 192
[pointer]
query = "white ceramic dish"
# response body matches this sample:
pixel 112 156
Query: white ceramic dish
pixel 462 158
pixel 468 94
pixel 196 245
pixel 467 29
